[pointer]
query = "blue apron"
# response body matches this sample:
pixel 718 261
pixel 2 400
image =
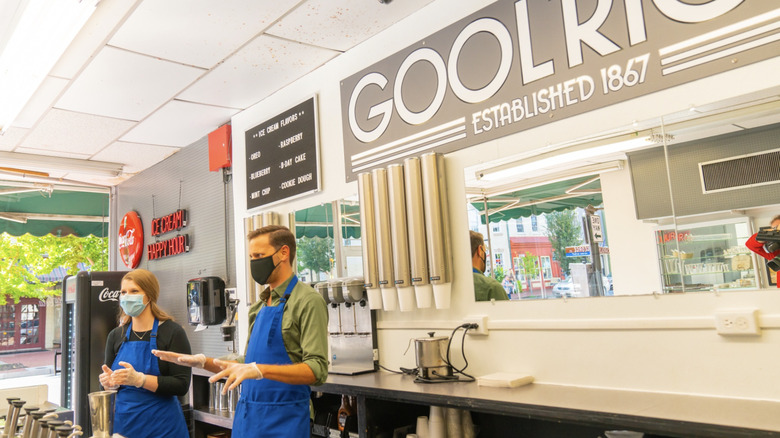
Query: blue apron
pixel 140 413
pixel 268 408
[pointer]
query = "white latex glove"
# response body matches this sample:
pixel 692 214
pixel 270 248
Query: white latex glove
pixel 190 360
pixel 128 376
pixel 235 373
pixel 105 379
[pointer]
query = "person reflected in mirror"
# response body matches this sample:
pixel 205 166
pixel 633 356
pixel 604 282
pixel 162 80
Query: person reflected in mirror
pixel 147 403
pixel 485 288
pixel 287 348
pixel 509 283
pixel 760 248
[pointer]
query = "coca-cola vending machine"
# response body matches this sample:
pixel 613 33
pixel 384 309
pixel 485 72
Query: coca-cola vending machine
pixel 90 308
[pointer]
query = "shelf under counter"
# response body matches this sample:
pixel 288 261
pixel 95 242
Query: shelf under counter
pixel 211 416
pixel 649 412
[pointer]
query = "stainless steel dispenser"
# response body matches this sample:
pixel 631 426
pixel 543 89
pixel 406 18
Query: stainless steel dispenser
pixel 399 237
pixel 351 326
pixel 368 237
pixel 418 251
pixel 437 228
pixel 384 249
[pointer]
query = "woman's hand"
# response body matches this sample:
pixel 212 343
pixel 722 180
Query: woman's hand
pixel 235 373
pixel 190 360
pixel 105 379
pixel 128 376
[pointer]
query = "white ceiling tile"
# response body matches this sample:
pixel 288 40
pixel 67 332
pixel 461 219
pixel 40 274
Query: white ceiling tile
pixel 11 138
pixel 108 14
pixel 126 85
pixel 179 124
pixel 197 32
pixel 136 157
pixel 51 153
pixel 256 71
pixel 340 25
pixel 67 131
pixel 41 101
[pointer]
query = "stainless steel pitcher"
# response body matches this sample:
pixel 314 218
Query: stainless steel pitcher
pixel 101 413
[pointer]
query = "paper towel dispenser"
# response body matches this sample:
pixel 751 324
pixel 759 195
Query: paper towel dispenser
pixel 206 301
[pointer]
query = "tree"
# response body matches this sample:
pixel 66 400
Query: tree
pixel 23 258
pixel 315 254
pixel 498 273
pixel 564 230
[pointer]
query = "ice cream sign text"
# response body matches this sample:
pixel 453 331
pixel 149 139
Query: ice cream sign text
pixel 176 245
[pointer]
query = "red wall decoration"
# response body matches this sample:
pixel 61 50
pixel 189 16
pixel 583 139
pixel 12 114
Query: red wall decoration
pixel 131 240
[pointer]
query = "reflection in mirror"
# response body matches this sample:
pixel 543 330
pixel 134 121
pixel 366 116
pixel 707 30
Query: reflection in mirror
pixel 667 205
pixel 538 238
pixel 314 238
pixel 350 250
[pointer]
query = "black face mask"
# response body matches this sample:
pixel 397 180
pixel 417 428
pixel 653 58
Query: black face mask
pixel 484 260
pixel 262 268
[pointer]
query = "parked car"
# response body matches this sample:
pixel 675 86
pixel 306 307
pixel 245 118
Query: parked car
pixel 570 289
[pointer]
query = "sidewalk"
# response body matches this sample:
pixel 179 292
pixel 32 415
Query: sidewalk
pixel 31 369
pixel 14 365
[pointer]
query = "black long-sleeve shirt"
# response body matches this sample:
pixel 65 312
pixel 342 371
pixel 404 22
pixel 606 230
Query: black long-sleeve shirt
pixel 173 379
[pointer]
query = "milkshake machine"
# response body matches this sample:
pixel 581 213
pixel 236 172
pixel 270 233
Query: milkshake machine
pixel 351 326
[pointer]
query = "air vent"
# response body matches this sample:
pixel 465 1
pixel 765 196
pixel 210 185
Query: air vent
pixel 740 172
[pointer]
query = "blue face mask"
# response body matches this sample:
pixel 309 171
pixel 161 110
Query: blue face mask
pixel 133 305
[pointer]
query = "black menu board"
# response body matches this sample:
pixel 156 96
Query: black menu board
pixel 282 159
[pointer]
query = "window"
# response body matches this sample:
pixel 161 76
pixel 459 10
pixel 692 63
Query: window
pixel 495 228
pixel 546 268
pixel 520 226
pixel 534 225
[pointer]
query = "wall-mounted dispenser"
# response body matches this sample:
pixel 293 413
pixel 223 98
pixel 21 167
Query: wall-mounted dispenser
pixel 206 301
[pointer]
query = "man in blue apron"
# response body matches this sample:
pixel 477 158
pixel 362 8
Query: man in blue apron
pixel 286 350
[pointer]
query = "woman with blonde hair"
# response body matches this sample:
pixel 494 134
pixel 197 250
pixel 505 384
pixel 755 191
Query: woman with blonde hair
pixel 147 388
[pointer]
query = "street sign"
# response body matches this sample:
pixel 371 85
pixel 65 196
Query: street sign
pixel 595 226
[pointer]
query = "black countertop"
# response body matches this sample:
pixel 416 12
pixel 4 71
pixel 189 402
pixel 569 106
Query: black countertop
pixel 661 413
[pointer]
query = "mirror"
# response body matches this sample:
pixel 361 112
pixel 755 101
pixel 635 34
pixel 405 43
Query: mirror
pixel 328 241
pixel 351 249
pixel 314 237
pixel 663 205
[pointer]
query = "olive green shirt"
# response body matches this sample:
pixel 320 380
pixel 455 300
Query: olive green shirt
pixel 487 288
pixel 304 326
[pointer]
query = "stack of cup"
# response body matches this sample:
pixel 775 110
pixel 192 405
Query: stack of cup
pixel 467 425
pixel 437 428
pixel 454 429
pixel 422 427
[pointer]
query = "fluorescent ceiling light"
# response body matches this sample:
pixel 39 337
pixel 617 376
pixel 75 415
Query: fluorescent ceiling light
pixel 42 32
pixel 517 169
pixel 71 165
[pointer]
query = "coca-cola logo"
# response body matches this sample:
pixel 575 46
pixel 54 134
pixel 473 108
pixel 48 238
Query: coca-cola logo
pixel 131 240
pixel 108 295
pixel 128 239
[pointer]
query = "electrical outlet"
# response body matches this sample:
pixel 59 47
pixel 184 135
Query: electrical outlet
pixel 480 321
pixel 739 322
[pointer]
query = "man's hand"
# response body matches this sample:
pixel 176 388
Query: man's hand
pixel 190 360
pixel 128 376
pixel 105 379
pixel 235 373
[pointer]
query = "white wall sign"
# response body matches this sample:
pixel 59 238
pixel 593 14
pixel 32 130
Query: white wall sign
pixel 517 64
